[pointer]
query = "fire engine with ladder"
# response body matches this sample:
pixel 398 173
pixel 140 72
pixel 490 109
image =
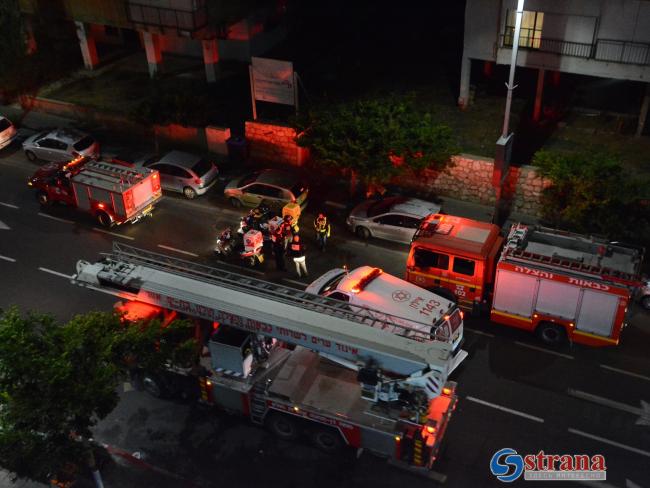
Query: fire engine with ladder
pixel 560 285
pixel 298 362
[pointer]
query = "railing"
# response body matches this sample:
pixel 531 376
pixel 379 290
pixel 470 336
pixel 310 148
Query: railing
pixel 607 50
pixel 189 15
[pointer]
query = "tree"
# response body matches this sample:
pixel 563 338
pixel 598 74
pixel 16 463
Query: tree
pixel 12 40
pixel 57 380
pixel 376 138
pixel 591 192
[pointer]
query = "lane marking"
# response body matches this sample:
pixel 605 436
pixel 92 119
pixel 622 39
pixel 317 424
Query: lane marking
pixel 5 258
pixel 505 409
pixel 378 248
pixel 622 371
pixel 541 349
pixel 295 282
pixel 610 442
pixel 59 219
pixel 169 248
pixel 643 412
pixel 104 231
pixel 8 205
pixel 55 273
pixel 4 226
pixel 479 332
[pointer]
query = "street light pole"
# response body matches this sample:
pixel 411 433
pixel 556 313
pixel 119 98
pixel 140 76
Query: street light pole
pixel 513 64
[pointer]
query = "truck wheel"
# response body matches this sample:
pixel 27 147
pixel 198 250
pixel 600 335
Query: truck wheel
pixel 362 233
pixel 645 302
pixel 30 155
pixel 327 440
pixel 235 202
pixel 283 426
pixel 189 192
pixel 104 219
pixel 551 334
pixel 42 198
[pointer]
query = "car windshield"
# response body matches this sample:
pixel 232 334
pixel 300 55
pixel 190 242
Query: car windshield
pixel 4 124
pixel 332 284
pixel 249 178
pixel 298 188
pixel 202 167
pixel 84 143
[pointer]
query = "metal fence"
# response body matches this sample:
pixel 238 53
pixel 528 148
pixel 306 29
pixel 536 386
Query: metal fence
pixel 190 15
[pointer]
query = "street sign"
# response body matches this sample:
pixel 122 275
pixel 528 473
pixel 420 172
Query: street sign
pixel 273 81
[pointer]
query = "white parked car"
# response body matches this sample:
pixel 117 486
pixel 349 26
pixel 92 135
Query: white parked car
pixel 7 132
pixel 185 173
pixel 60 145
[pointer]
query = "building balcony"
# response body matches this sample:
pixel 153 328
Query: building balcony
pixel 604 50
pixel 185 16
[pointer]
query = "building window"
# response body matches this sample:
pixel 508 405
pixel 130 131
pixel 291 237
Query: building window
pixel 531 29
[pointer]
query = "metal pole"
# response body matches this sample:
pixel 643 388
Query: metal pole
pixel 252 78
pixel 513 64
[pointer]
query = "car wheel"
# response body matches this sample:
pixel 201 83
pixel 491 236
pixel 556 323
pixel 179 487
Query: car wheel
pixel 362 233
pixel 189 192
pixel 235 202
pixel 551 334
pixel 154 386
pixel 327 440
pixel 645 302
pixel 104 219
pixel 42 198
pixel 30 155
pixel 283 426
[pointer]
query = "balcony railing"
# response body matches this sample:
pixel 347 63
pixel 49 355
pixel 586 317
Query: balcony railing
pixel 183 15
pixel 607 50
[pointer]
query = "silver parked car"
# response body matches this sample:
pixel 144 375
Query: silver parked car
pixel 60 145
pixel 185 173
pixel 644 295
pixel 7 132
pixel 394 218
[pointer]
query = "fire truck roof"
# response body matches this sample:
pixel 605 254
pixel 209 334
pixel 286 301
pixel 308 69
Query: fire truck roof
pixel 108 176
pixel 471 237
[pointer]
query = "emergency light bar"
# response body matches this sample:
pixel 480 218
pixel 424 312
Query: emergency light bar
pixel 363 282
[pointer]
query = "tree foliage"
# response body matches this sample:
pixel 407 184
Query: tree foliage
pixel 367 135
pixel 57 380
pixel 591 192
pixel 12 39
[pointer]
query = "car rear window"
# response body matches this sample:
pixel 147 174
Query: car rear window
pixel 202 167
pixel 4 124
pixel 298 188
pixel 84 143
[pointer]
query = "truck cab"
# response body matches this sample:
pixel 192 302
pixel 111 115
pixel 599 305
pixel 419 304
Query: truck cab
pixel 52 181
pixel 402 303
pixel 455 257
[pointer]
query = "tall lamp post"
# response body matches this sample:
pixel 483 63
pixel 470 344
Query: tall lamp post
pixel 504 143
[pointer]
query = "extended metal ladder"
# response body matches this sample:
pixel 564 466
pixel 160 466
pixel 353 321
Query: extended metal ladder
pixel 123 253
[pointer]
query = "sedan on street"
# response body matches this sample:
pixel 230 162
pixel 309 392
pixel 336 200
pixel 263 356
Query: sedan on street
pixel 60 145
pixel 185 173
pixel 275 187
pixel 395 218
pixel 7 132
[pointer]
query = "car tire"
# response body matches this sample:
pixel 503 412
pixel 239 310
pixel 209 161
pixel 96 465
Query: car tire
pixel 43 199
pixel 154 386
pixel 235 202
pixel 327 440
pixel 645 302
pixel 362 233
pixel 104 219
pixel 189 193
pixel 283 426
pixel 551 334
pixel 31 156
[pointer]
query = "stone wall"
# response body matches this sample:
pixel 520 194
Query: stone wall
pixel 274 143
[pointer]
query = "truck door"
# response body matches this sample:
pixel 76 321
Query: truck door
pixel 428 268
pixel 597 312
pixel 465 282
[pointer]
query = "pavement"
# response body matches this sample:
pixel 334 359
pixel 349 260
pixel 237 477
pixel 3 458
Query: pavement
pixel 513 392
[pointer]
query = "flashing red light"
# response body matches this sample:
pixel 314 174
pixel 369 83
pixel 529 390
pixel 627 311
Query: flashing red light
pixel 197 181
pixel 446 391
pixel 446 317
pixel 398 438
pixel 462 314
pixel 101 205
pixel 155 175
pixel 431 429
pixel 361 284
pixel 215 325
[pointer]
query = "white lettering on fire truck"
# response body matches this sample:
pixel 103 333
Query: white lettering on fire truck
pixel 589 284
pixel 534 272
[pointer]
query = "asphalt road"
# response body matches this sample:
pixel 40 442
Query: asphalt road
pixel 513 392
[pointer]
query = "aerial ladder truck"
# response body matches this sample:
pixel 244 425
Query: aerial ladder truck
pixel 298 362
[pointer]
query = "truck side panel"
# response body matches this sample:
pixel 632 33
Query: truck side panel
pixel 514 293
pixel 597 312
pixel 558 299
pixel 143 192
pixel 81 191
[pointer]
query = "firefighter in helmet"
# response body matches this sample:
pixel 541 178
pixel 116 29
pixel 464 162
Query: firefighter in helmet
pixel 323 229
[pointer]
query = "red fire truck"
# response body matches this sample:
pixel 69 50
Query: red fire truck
pixel 113 194
pixel 557 284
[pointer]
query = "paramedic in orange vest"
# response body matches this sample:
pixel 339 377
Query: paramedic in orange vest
pixel 323 230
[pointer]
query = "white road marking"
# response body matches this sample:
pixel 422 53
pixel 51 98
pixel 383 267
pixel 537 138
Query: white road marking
pixel 506 409
pixel 8 205
pixel 334 204
pixel 4 226
pixel 5 258
pixel 295 282
pixel 162 246
pixel 104 231
pixel 55 218
pixel 622 371
pixel 643 413
pixel 108 292
pixel 542 349
pixel 55 273
pixel 610 442
pixel 378 248
pixel 479 332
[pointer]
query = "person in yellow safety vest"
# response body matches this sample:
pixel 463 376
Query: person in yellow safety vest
pixel 297 252
pixel 323 230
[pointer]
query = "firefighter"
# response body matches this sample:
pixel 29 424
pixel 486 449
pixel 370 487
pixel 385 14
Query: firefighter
pixel 323 230
pixel 297 252
pixel 279 249
pixel 288 228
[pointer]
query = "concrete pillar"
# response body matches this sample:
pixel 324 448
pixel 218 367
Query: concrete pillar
pixel 210 59
pixel 87 45
pixel 154 53
pixel 465 71
pixel 643 113
pixel 537 111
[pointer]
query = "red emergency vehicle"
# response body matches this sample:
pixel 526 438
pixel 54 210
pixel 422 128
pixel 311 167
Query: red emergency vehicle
pixel 113 194
pixel 557 284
